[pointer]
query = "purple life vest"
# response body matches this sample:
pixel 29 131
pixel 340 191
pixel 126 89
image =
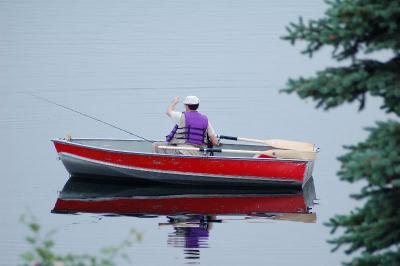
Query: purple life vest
pixel 194 130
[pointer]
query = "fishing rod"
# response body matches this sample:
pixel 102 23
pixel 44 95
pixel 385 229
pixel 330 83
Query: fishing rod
pixel 91 117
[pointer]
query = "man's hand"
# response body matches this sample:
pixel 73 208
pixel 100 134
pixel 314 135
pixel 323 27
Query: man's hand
pixel 214 140
pixel 172 105
pixel 175 100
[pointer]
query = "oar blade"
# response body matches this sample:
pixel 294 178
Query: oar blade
pixel 290 145
pixel 290 154
pixel 286 154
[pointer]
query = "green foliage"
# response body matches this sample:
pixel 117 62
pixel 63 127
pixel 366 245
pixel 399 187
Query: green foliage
pixel 356 29
pixel 352 28
pixel 376 160
pixel 42 249
pixel 376 226
pixel 335 86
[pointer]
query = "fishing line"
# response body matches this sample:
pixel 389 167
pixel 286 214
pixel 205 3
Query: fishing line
pixel 91 117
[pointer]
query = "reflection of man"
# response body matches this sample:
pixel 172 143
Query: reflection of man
pixel 192 129
pixel 191 233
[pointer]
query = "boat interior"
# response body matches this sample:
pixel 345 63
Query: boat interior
pixel 79 188
pixel 142 146
pixel 92 188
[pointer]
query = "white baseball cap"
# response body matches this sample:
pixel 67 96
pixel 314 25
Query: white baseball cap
pixel 191 100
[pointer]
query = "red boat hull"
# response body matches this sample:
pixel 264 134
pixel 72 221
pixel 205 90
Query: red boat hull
pixel 86 160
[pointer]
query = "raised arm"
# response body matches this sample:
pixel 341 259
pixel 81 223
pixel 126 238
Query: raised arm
pixel 171 106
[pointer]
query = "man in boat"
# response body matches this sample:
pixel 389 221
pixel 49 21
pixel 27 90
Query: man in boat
pixel 192 129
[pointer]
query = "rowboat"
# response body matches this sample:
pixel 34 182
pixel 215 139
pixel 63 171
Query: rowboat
pixel 183 202
pixel 134 160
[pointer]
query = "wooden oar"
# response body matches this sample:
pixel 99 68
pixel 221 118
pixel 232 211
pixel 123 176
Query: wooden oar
pixel 295 217
pixel 277 143
pixel 288 154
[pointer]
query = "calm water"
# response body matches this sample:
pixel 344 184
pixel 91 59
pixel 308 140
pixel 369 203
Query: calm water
pixel 123 61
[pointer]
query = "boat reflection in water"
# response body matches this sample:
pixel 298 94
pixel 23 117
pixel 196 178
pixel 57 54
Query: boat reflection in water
pixel 190 211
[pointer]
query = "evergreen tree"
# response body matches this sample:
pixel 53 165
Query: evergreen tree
pixel 357 29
